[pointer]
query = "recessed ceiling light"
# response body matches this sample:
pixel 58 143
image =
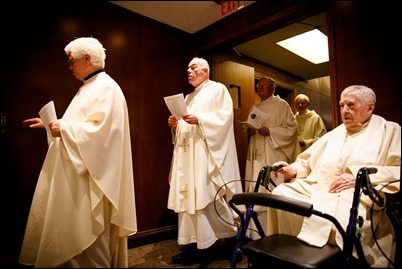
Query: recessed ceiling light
pixel 312 46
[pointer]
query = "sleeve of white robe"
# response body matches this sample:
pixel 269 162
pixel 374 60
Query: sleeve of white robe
pixel 216 125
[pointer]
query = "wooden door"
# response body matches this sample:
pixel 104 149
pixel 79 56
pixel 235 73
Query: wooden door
pixel 239 79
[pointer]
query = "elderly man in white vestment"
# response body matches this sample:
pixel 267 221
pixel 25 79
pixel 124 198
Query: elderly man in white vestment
pixel 83 209
pixel 274 141
pixel 325 175
pixel 204 159
pixel 310 124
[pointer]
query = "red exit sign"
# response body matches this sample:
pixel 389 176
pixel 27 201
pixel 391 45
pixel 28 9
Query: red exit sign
pixel 228 7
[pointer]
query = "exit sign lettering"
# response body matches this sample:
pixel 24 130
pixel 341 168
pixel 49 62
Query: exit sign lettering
pixel 228 7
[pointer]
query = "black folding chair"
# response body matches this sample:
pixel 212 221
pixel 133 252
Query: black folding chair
pixel 287 250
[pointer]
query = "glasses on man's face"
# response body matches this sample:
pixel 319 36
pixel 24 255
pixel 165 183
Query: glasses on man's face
pixel 71 61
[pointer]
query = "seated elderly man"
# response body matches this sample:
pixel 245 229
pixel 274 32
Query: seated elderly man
pixel 325 175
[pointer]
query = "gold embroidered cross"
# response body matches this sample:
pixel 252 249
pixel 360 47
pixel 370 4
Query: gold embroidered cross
pixel 185 144
pixel 183 190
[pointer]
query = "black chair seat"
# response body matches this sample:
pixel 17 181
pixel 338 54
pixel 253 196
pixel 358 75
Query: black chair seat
pixel 287 250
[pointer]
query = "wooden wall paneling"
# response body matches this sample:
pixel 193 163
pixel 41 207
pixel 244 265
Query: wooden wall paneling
pixel 147 60
pixel 228 72
pixel 162 72
pixel 361 53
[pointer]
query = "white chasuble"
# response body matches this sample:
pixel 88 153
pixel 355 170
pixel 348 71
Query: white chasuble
pixel 339 152
pixel 204 160
pixel 87 169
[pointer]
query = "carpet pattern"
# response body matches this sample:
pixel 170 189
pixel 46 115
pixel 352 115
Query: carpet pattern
pixel 159 255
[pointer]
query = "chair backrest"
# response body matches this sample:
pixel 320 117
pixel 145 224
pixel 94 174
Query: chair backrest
pixel 274 201
pixel 284 203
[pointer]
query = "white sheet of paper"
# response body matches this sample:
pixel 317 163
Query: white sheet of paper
pixel 48 114
pixel 255 119
pixel 176 105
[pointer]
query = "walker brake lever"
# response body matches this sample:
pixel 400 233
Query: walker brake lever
pixel 267 179
pixel 277 168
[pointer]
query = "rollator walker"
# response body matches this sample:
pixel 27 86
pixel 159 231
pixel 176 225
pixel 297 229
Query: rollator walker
pixel 287 250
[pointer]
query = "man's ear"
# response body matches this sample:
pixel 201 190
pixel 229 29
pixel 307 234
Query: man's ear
pixel 371 106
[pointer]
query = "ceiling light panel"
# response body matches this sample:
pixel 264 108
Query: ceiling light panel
pixel 312 46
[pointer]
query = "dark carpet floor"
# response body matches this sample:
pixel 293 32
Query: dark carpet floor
pixel 159 255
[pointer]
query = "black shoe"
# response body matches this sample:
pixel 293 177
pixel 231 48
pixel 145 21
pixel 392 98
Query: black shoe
pixel 189 256
pixel 183 258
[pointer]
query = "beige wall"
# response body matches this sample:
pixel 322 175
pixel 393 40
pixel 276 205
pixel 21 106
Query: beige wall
pixel 317 89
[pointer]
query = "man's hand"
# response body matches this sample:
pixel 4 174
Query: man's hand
pixel 172 121
pixel 289 171
pixel 264 131
pixel 251 131
pixel 33 123
pixel 190 119
pixel 343 182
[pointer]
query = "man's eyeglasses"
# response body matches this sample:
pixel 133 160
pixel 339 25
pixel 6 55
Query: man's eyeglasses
pixel 71 61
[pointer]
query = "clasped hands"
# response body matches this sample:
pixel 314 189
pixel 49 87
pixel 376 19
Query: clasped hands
pixel 36 123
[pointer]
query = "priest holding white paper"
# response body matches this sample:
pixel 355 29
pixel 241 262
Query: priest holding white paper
pixel 83 208
pixel 274 141
pixel 204 160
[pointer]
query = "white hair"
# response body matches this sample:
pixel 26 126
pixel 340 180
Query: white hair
pixel 302 97
pixel 201 61
pixel 362 92
pixel 82 46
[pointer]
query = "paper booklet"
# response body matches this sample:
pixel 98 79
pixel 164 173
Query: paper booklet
pixel 256 118
pixel 176 105
pixel 48 114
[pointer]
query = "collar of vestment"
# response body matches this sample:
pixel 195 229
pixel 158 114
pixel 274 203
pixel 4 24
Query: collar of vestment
pixel 202 84
pixel 93 74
